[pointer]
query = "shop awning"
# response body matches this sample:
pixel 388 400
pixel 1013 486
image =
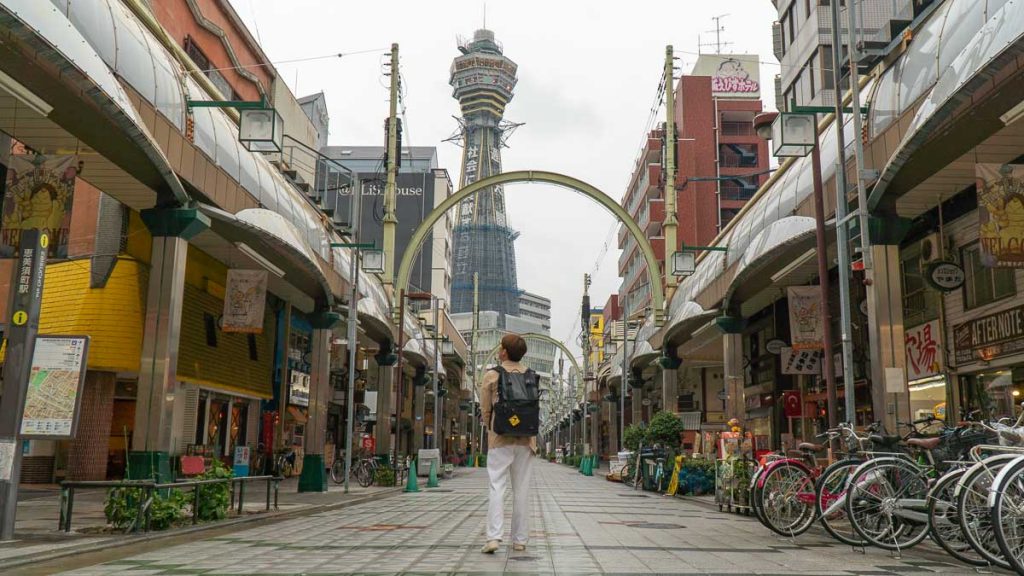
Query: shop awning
pixel 968 71
pixel 77 106
pixel 769 252
pixel 684 318
pixel 258 234
pixel 414 348
pixel 645 352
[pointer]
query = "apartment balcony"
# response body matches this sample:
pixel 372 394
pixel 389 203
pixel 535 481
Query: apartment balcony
pixel 655 217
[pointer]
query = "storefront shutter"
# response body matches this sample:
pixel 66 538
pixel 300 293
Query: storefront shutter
pixel 191 412
pixel 253 423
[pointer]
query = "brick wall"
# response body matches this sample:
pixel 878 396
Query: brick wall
pixel 87 456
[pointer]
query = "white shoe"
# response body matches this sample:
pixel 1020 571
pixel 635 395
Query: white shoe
pixel 491 547
pixel 519 547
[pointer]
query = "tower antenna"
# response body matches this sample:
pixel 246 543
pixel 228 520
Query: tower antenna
pixel 485 15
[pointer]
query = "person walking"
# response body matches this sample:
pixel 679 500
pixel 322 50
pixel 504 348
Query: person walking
pixel 510 401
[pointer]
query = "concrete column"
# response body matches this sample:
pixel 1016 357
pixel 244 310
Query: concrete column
pixel 638 405
pixel 670 390
pixel 886 335
pixel 733 374
pixel 314 474
pixel 382 431
pixel 611 413
pixel 87 455
pixel 419 413
pixel 154 412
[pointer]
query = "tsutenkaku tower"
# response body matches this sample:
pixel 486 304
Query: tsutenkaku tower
pixel 482 79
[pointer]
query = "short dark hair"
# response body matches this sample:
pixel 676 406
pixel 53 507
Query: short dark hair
pixel 514 346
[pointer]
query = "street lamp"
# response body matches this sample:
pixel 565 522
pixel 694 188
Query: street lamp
pixel 372 261
pixel 261 130
pixel 794 134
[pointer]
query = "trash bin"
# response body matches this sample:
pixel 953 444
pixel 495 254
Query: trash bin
pixel 423 460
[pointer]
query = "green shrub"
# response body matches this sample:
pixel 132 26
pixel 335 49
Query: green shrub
pixel 634 436
pixel 214 499
pixel 665 429
pixel 122 506
pixel 384 476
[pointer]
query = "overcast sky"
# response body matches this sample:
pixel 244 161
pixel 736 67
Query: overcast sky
pixel 588 75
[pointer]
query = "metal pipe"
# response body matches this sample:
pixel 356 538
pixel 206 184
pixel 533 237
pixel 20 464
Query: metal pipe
pixel 822 253
pixel 842 236
pixel 353 319
pixel 671 221
pixel 858 144
pixel 625 369
pixel 437 372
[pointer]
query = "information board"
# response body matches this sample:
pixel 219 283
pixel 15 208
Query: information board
pixel 53 398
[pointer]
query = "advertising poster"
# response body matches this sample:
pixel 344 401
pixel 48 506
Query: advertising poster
pixel 923 357
pixel 805 317
pixel 800 361
pixel 244 300
pixel 1001 209
pixel 38 195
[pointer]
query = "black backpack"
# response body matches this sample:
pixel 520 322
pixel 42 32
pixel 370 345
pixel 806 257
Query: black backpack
pixel 517 411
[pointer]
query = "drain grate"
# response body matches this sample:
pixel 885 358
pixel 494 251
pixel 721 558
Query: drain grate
pixel 634 495
pixel 523 558
pixel 656 526
pixel 434 490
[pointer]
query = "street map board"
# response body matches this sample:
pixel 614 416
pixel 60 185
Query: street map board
pixel 54 395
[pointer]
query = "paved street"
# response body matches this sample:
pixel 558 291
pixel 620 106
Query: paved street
pixel 580 525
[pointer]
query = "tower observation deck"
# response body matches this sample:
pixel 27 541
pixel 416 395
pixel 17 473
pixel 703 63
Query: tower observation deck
pixel 483 79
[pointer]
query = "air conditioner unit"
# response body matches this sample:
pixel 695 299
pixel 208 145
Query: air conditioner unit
pixel 931 249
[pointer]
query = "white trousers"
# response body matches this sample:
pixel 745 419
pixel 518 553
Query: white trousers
pixel 517 462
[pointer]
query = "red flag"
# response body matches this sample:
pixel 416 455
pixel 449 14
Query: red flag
pixel 792 404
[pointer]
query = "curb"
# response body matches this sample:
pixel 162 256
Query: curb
pixel 21 562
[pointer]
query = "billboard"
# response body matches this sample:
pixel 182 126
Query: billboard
pixel 38 195
pixel 732 75
pixel 1001 209
pixel 414 200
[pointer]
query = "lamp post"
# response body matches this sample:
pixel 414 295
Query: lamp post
pixel 794 134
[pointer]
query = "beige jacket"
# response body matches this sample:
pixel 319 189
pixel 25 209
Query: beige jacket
pixel 488 397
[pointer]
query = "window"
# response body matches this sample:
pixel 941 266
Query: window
pixel 739 188
pixel 737 155
pixel 984 285
pixel 920 302
pixel 195 54
pixel 792 24
pixel 211 329
pixel 811 73
pixel 203 63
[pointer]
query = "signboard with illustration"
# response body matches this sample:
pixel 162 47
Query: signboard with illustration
pixel 1001 209
pixel 988 337
pixel 732 75
pixel 805 317
pixel 244 301
pixel 38 195
pixel 924 359
pixel 53 398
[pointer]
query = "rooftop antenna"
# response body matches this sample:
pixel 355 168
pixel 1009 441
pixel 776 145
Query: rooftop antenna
pixel 485 15
pixel 718 44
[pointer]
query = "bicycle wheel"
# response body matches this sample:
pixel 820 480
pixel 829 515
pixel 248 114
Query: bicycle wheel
pixel 787 500
pixel 973 508
pixel 338 471
pixel 830 500
pixel 364 474
pixel 755 496
pixel 1007 513
pixel 945 521
pixel 880 503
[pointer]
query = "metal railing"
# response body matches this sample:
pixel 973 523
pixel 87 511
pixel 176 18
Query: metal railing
pixel 148 487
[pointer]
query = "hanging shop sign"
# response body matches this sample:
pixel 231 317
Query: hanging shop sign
pixel 991 336
pixel 53 399
pixel 38 196
pixel 298 390
pixel 1001 210
pixel 244 301
pixel 922 345
pixel 732 76
pixel 792 405
pixel 775 346
pixel 805 318
pixel 800 361
pixel 945 276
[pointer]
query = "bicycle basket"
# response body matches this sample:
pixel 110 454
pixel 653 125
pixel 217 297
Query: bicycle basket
pixel 955 446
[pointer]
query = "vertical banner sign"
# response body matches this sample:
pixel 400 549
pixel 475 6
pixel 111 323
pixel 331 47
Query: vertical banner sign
pixel 38 196
pixel 805 318
pixel 27 293
pixel 244 301
pixel 792 404
pixel 923 357
pixel 1001 209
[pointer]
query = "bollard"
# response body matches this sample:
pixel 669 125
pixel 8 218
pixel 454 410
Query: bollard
pixel 412 484
pixel 432 481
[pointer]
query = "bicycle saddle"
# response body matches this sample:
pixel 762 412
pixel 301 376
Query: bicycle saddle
pixel 884 440
pixel 809 447
pixel 925 443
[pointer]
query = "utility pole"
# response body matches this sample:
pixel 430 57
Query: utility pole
pixel 843 240
pixel 585 340
pixel 671 221
pixel 353 319
pixel 472 355
pixel 390 219
pixel 625 368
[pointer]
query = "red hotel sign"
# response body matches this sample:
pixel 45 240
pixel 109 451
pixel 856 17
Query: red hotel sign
pixel 991 336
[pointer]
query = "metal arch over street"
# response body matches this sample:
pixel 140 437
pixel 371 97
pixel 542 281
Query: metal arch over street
pixel 545 338
pixel 653 267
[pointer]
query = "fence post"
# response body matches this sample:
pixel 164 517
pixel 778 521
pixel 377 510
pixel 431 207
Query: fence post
pixel 269 480
pixel 195 505
pixel 241 496
pixel 277 486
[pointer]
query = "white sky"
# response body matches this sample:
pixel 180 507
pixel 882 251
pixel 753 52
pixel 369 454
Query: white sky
pixel 588 74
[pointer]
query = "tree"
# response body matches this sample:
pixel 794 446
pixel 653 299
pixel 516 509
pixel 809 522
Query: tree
pixel 665 429
pixel 633 436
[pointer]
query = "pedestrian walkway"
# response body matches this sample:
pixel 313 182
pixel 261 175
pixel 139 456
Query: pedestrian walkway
pixel 36 530
pixel 579 525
